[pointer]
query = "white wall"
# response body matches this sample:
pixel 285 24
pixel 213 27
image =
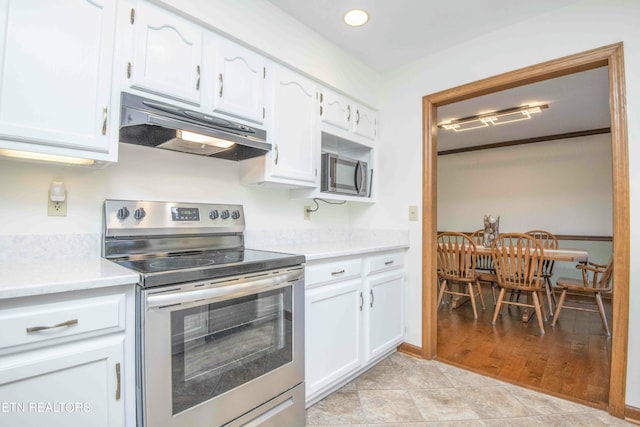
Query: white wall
pixel 585 25
pixel 562 186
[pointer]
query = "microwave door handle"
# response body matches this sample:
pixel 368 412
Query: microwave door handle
pixel 359 177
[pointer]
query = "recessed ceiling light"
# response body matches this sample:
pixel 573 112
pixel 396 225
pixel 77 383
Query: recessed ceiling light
pixel 356 17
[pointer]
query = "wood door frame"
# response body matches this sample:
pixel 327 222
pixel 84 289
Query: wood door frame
pixel 611 56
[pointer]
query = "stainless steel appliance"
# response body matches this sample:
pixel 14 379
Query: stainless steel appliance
pixel 153 123
pixel 344 175
pixel 220 327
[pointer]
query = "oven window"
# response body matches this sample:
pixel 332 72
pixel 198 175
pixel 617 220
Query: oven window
pixel 218 347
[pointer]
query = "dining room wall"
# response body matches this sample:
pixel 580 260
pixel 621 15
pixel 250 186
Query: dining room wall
pixel 562 186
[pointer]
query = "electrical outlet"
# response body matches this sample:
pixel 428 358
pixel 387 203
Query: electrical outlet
pixel 57 208
pixel 307 214
pixel 413 213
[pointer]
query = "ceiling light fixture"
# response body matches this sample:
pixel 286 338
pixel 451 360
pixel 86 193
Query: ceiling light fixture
pixel 494 118
pixel 356 17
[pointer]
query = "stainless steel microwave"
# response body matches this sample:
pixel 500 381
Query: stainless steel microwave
pixel 344 175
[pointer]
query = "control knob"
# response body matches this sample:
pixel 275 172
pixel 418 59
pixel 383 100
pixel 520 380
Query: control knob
pixel 224 214
pixel 235 214
pixel 122 213
pixel 214 214
pixel 139 213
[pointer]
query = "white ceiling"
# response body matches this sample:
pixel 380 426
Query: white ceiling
pixel 400 31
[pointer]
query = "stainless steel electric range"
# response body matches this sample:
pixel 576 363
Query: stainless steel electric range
pixel 220 328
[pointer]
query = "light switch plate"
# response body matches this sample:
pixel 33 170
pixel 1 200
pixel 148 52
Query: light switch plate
pixel 413 213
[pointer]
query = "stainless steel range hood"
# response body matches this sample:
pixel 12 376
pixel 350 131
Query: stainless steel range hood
pixel 157 124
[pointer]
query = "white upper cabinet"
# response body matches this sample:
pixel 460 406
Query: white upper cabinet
pixel 335 109
pixel 167 54
pixel 239 81
pixel 364 122
pixel 347 119
pixel 295 151
pixel 295 157
pixel 55 76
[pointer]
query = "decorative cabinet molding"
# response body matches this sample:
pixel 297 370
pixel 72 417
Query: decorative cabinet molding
pixel 238 77
pixel 167 56
pixel 295 157
pixel 345 118
pixel 56 62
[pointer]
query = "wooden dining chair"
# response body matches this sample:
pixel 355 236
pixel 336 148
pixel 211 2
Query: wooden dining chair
pixel 599 283
pixel 484 264
pixel 518 259
pixel 548 241
pixel 456 254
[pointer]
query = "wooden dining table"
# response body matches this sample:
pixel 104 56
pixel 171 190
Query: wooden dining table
pixel 561 255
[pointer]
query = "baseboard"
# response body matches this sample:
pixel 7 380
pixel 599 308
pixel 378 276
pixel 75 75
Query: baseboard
pixel 632 414
pixel 410 349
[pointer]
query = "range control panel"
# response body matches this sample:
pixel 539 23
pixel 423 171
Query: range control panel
pixel 145 218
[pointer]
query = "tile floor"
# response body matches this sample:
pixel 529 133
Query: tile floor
pixel 402 391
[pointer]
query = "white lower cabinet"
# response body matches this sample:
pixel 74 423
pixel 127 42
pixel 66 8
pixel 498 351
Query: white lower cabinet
pixel 333 332
pixel 66 359
pixel 353 317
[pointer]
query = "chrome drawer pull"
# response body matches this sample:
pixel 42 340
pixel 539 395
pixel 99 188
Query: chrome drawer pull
pixel 59 325
pixel 388 263
pixel 371 300
pixel 335 273
pixel 361 301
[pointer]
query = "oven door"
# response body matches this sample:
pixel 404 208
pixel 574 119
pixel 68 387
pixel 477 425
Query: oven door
pixel 214 351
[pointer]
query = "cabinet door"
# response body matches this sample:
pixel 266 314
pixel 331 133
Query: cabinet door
pixel 295 153
pixel 239 81
pixel 385 313
pixel 335 109
pixel 65 386
pixel 333 316
pixel 55 76
pixel 364 122
pixel 167 54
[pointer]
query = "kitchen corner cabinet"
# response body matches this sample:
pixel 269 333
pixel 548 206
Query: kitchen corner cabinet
pixel 167 54
pixel 56 62
pixel 239 76
pixel 295 156
pixel 353 317
pixel 62 359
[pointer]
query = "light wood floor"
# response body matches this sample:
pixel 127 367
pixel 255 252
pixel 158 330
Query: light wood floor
pixel 571 360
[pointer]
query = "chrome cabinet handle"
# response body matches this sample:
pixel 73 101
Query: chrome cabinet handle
pixel 104 119
pixel 277 154
pixel 221 85
pixel 361 301
pixel 388 262
pixel 198 81
pixel 371 299
pixel 117 381
pixel 348 113
pixel 357 117
pixel 59 325
pixel 336 273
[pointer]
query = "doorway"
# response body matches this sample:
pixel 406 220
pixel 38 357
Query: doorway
pixel 611 56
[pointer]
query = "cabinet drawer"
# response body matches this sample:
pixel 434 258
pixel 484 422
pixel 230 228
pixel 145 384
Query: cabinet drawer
pixel 379 263
pixel 81 317
pixel 336 270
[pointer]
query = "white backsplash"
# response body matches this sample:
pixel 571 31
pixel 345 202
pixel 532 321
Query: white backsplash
pixel 49 246
pixel 278 238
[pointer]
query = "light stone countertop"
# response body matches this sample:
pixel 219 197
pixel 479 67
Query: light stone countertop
pixel 36 277
pixel 327 243
pixel 323 250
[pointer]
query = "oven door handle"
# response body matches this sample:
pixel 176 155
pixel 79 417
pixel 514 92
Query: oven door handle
pixel 224 292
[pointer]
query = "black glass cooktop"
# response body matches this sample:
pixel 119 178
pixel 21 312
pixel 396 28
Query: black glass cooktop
pixel 180 268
